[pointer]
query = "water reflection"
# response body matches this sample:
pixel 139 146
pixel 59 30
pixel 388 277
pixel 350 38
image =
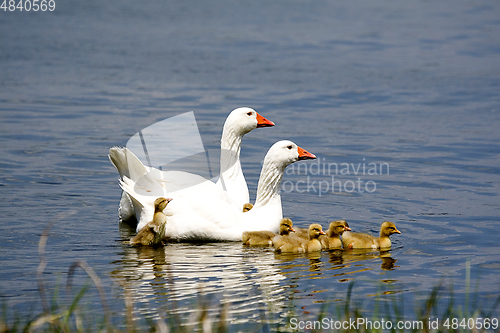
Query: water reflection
pixel 172 278
pixel 178 278
pixel 355 255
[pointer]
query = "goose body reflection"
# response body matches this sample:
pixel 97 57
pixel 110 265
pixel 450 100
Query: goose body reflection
pixel 172 277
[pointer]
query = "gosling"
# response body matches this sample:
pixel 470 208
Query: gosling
pixel 152 233
pixel 246 207
pixel 301 245
pixel 331 240
pixel 355 240
pixel 266 238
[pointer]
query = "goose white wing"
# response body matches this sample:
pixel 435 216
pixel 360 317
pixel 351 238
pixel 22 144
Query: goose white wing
pixel 201 207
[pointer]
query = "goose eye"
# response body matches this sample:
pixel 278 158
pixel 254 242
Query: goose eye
pixel 290 147
pixel 249 113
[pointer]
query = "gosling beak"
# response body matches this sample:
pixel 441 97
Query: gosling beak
pixel 347 228
pixel 292 229
pixel 304 154
pixel 321 232
pixel 169 199
pixel 397 231
pixel 263 122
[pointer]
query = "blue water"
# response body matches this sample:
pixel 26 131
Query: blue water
pixel 413 86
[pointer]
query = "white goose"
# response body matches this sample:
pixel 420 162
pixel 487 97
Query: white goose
pixel 231 179
pixel 203 214
pixel 239 122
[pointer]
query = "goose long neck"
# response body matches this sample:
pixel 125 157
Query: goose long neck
pixel 230 151
pixel 269 184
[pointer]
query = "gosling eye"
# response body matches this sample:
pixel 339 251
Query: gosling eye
pixel 249 113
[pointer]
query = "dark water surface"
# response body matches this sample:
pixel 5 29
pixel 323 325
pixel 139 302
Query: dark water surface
pixel 403 97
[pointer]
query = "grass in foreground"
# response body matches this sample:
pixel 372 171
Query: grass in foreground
pixel 435 313
pixel 438 312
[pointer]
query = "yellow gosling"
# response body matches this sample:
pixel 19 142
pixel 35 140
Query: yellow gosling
pixel 356 240
pixel 266 238
pixel 153 232
pixel 246 207
pixel 301 245
pixel 315 231
pixel 332 240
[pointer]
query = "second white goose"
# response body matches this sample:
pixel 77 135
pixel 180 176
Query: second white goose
pixel 203 214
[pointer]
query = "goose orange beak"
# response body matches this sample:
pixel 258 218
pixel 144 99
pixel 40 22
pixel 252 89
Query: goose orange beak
pixel 263 122
pixel 304 154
